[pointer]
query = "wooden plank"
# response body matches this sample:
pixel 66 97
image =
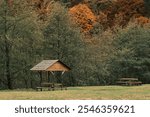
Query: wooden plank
pixel 129 79
pixel 57 67
pixel 51 86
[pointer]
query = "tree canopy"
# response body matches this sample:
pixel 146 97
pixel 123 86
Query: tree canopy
pixel 132 53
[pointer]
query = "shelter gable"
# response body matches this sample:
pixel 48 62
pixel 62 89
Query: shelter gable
pixel 58 66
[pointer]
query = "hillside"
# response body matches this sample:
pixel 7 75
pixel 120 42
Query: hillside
pixel 108 13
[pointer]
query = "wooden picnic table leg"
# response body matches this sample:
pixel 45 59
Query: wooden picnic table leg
pixel 39 88
pixel 61 87
pixel 49 88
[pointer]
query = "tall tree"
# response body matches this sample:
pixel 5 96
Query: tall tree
pixel 83 16
pixel 147 6
pixel 17 30
pixel 132 53
pixel 62 40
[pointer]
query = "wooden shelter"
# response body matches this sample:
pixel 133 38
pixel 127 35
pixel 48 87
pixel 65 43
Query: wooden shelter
pixel 50 66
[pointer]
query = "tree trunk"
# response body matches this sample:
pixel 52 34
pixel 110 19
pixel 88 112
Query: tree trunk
pixel 41 79
pixel 26 83
pixel 7 55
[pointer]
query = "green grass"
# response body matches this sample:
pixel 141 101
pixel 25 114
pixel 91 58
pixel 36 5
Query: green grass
pixel 81 93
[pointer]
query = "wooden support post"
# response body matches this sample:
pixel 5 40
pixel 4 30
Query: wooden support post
pixel 48 76
pixel 40 73
pixel 62 77
pixel 53 76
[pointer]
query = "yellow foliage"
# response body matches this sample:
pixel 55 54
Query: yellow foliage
pixel 83 16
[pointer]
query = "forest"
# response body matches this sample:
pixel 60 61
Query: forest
pixel 100 40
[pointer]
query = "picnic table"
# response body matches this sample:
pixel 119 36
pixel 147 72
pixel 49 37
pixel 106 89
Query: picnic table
pixel 129 81
pixel 51 86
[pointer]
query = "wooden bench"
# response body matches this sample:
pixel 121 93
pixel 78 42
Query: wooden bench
pixel 135 83
pixel 51 86
pixel 59 86
pixel 129 82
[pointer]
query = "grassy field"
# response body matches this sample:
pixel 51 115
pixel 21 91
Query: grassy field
pixel 81 93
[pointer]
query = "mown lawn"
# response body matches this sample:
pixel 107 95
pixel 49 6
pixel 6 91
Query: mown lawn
pixel 81 93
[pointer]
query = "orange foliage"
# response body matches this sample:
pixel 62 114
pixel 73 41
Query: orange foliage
pixel 83 16
pixel 121 12
pixel 142 20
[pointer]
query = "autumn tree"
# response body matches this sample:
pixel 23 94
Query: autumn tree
pixel 120 12
pixel 142 20
pixel 83 16
pixel 98 5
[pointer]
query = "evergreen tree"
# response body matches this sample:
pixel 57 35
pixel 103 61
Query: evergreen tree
pixel 132 54
pixel 147 6
pixel 63 41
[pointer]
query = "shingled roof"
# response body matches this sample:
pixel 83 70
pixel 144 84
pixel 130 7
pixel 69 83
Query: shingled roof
pixel 46 65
